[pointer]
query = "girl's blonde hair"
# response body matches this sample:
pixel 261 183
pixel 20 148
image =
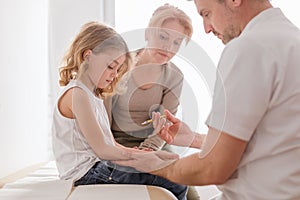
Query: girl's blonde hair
pixel 169 12
pixel 98 38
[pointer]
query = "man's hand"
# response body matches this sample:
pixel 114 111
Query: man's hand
pixel 176 132
pixel 149 161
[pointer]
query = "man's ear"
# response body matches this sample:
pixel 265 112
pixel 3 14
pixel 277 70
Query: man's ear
pixel 86 54
pixel 147 34
pixel 234 3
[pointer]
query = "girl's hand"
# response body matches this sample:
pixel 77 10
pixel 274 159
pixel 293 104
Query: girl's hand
pixel 143 149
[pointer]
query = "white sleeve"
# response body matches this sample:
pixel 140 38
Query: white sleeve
pixel 243 89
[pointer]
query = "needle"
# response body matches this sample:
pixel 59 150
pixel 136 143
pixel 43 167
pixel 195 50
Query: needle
pixel 150 120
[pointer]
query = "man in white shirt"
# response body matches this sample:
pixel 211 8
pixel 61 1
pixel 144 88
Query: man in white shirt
pixel 252 148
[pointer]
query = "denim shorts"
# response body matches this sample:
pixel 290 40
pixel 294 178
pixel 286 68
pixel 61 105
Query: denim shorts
pixel 102 173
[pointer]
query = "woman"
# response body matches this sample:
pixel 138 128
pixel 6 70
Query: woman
pixel 154 83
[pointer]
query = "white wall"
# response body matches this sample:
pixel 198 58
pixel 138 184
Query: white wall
pixel 23 83
pixel 34 37
pixel 142 10
pixel 65 19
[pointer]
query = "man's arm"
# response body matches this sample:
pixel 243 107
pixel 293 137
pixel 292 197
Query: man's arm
pixel 219 157
pixel 198 141
pixel 217 161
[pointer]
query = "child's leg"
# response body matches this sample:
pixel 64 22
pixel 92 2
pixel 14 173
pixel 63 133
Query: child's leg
pixel 179 191
pixel 101 174
pixel 98 174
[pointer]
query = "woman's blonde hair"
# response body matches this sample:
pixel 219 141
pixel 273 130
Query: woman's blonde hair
pixel 169 12
pixel 98 38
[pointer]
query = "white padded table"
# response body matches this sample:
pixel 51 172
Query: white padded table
pixel 41 182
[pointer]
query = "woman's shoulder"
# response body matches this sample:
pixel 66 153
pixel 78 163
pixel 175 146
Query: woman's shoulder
pixel 172 71
pixel 173 66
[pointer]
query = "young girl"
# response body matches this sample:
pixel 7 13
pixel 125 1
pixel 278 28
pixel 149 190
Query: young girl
pixel 83 144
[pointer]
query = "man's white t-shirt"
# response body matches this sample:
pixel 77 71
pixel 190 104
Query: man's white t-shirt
pixel 257 99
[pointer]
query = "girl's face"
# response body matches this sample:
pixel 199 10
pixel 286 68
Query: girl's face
pixel 103 67
pixel 164 42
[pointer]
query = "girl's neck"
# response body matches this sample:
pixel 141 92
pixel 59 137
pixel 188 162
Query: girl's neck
pixel 87 81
